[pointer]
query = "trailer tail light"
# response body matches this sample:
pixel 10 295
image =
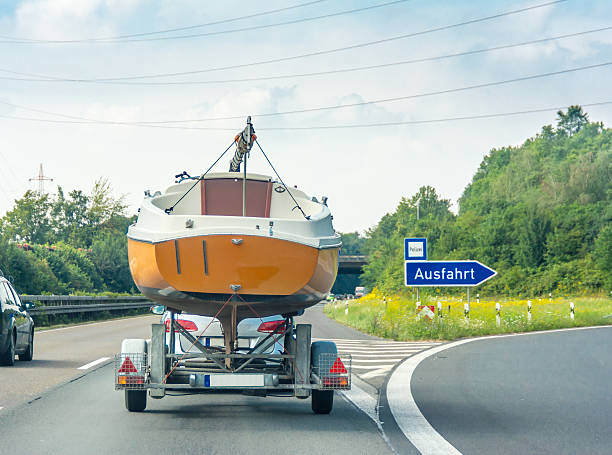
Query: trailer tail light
pixel 334 371
pixel 130 371
pixel 271 326
pixel 189 326
pixel 130 380
pixel 335 383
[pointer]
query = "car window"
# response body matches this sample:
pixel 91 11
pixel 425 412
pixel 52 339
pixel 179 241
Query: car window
pixel 12 292
pixel 9 294
pixel 4 297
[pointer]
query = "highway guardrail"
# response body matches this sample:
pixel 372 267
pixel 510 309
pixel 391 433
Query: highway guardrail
pixel 63 304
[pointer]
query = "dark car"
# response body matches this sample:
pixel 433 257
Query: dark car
pixel 16 326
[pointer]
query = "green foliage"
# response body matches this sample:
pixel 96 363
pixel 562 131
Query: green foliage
pixel 110 257
pixel 539 214
pixel 398 320
pixel 60 245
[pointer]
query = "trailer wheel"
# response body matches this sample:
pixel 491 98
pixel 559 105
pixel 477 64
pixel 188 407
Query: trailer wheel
pixel 322 401
pixel 135 400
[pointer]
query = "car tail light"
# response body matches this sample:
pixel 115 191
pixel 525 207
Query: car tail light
pixel 271 326
pixel 190 326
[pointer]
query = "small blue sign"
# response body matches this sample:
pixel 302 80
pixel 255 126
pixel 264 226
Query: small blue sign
pixel 415 249
pixel 446 273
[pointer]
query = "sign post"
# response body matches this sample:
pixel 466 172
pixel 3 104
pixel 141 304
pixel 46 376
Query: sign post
pixel 418 271
pixel 415 249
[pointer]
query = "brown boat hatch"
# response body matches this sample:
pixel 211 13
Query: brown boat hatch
pixel 224 197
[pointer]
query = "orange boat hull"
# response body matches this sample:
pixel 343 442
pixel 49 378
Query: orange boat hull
pixel 199 274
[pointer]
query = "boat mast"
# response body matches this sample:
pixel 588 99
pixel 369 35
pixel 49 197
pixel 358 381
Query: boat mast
pixel 244 186
pixel 244 143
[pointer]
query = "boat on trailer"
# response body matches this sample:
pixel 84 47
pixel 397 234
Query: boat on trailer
pixel 231 246
pixel 234 245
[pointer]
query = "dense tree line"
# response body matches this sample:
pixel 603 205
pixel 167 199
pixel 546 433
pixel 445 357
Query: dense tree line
pixel 64 244
pixel 539 214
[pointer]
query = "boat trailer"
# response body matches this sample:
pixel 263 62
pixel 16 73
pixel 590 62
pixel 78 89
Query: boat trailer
pixel 304 369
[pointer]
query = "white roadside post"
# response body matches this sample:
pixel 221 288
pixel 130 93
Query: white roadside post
pixel 477 298
pixel 529 310
pixel 550 296
pixel 466 310
pixel 346 307
pixel 439 310
pixel 572 311
pixel 497 314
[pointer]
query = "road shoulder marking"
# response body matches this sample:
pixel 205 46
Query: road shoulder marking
pixel 94 363
pixel 407 414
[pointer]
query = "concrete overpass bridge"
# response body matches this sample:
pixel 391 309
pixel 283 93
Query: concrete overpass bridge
pixel 351 264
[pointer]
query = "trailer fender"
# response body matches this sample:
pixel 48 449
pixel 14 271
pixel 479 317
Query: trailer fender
pixel 318 348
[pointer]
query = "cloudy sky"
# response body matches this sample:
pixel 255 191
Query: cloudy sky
pixel 363 171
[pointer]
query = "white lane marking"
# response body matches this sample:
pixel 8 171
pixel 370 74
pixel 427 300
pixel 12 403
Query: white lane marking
pixel 378 356
pixel 360 360
pixel 379 372
pixel 368 367
pixel 93 364
pixel 340 340
pixel 363 401
pixel 386 343
pixel 379 351
pixel 368 404
pixel 405 410
pixel 1 408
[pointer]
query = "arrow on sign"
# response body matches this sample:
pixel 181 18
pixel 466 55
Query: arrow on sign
pixel 447 273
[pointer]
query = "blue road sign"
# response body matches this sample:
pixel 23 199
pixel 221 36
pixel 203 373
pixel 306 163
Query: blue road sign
pixel 446 273
pixel 415 249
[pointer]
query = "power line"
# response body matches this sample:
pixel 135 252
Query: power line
pixel 314 127
pixel 201 35
pixel 331 107
pixel 314 54
pixel 180 29
pixel 299 75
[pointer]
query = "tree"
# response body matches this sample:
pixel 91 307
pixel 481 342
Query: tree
pixel 603 254
pixel 572 121
pixel 29 219
pixel 109 255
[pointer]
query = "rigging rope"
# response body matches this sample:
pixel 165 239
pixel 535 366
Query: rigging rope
pixel 200 178
pixel 281 180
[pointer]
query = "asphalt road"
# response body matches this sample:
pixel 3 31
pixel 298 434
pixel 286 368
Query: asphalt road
pixel 538 393
pixel 86 415
pixel 58 353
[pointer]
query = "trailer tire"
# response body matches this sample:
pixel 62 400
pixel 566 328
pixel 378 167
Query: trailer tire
pixel 322 400
pixel 135 400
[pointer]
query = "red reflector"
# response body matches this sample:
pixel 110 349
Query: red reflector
pixel 127 366
pixel 271 326
pixel 190 326
pixel 338 367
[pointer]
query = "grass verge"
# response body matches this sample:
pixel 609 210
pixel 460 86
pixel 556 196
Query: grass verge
pixel 398 320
